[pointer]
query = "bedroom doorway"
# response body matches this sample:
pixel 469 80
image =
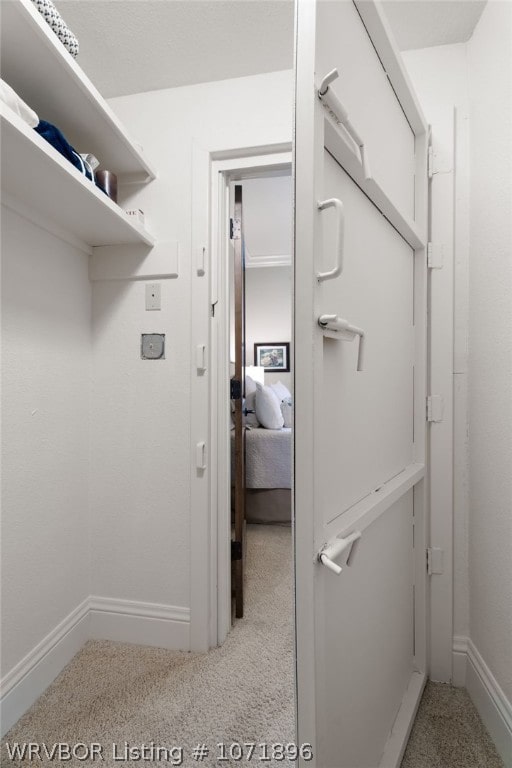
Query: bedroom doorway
pixel 267 209
pixel 260 286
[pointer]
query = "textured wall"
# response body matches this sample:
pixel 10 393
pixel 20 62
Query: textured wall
pixel 141 508
pixel 268 308
pixel 45 433
pixel 490 341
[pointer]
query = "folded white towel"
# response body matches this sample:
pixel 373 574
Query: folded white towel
pixel 11 98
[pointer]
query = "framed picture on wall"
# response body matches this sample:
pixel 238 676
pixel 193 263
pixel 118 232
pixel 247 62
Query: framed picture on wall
pixel 273 357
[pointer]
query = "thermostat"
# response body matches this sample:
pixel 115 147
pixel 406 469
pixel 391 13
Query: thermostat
pixel 152 346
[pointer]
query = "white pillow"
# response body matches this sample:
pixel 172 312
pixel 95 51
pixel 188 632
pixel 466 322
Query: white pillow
pixel 287 411
pixel 250 385
pixel 268 408
pixel 282 392
pixel 251 419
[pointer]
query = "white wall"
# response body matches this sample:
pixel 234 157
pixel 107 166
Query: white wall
pixel 477 79
pixel 268 308
pixel 141 463
pixel 46 316
pixel 490 342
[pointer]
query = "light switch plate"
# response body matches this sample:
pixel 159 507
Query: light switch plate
pixel 152 346
pixel 153 296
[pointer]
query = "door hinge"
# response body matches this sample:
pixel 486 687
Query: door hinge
pixel 435 255
pixel 235 389
pixel 434 560
pixel 438 162
pixel 435 408
pixel 235 229
pixel 236 550
pixel 430 161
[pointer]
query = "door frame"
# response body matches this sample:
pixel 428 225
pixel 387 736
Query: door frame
pixel 210 555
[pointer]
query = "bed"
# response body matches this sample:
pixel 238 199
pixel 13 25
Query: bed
pixel 268 462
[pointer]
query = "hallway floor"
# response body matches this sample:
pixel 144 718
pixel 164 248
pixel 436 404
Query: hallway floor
pixel 114 692
pixel 448 733
pixel 243 691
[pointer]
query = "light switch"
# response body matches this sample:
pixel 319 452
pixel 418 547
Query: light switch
pixel 152 346
pixel 153 296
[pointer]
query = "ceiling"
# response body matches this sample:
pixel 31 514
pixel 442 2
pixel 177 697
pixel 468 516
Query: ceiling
pixel 424 23
pixel 130 46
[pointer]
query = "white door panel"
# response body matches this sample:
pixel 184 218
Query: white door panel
pixel 359 436
pixel 365 434
pixel 366 93
pixel 367 612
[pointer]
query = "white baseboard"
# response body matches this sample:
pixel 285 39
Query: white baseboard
pixel 128 621
pixel 399 736
pixel 33 674
pixel 98 618
pixel 493 706
pixel 459 661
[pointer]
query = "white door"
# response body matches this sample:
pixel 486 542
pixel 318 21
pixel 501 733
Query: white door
pixel 359 341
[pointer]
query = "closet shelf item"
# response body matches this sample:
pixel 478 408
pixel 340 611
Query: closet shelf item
pixel 335 327
pixel 340 115
pixel 41 180
pixel 333 202
pixel 38 67
pixel 335 548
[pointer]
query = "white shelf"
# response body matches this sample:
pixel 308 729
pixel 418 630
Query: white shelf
pixel 40 178
pixel 35 63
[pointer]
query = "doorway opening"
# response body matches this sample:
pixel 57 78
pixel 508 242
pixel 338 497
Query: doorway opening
pixel 265 185
pixel 260 282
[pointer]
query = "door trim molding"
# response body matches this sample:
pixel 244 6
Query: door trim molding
pixel 210 598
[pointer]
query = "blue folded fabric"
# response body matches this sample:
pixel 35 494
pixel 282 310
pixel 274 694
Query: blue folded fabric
pixel 56 138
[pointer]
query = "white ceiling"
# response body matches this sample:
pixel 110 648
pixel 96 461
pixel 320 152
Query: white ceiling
pixel 129 46
pixel 424 23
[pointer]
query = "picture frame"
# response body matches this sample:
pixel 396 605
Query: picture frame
pixel 274 357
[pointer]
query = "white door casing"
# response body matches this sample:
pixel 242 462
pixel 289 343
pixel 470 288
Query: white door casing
pixel 359 435
pixel 210 523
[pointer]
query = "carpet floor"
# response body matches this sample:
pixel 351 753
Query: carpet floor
pixel 114 693
pixel 242 692
pixel 448 733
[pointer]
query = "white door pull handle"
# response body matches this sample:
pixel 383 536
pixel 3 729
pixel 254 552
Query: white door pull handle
pixel 337 328
pixel 201 455
pixel 201 261
pixel 333 202
pixel 334 549
pixel 340 114
pixel 201 358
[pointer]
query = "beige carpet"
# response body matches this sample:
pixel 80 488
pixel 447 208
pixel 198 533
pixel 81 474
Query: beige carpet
pixel 448 733
pixel 244 691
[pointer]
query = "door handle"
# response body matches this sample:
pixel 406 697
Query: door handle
pixel 201 455
pixel 331 551
pixel 333 202
pixel 201 358
pixel 340 114
pixel 337 328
